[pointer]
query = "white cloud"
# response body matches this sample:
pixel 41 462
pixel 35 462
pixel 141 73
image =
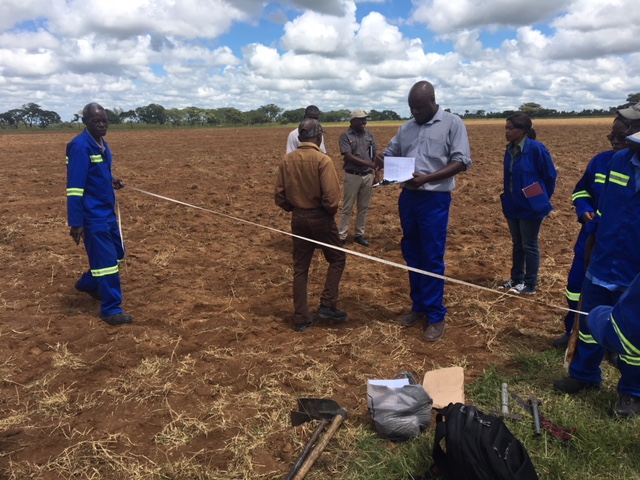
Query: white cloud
pixel 444 16
pixel 16 11
pixel 29 41
pixel 564 54
pixel 376 40
pixel 313 32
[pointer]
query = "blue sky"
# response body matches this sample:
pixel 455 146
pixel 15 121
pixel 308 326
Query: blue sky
pixel 487 55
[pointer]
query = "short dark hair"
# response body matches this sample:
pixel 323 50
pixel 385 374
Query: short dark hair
pixel 90 109
pixel 311 111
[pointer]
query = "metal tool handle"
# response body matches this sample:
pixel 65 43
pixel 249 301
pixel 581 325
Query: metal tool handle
pixel 319 447
pixel 505 398
pixel 536 415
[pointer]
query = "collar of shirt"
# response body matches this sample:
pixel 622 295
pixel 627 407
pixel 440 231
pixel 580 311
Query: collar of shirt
pixel 436 118
pixel 99 145
pixel 517 149
pixel 309 145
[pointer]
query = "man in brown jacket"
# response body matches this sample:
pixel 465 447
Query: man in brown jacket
pixel 307 185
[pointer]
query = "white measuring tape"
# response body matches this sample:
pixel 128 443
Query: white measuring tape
pixel 358 254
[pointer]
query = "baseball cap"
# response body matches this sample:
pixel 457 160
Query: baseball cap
pixel 363 114
pixel 631 113
pixel 635 138
pixel 309 128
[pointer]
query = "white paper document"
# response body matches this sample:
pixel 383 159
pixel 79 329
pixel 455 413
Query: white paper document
pixel 396 382
pixel 398 169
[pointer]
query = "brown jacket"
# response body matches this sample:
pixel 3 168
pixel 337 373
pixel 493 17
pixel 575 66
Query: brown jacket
pixel 307 179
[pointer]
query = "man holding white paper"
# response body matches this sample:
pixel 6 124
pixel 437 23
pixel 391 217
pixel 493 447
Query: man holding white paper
pixel 439 143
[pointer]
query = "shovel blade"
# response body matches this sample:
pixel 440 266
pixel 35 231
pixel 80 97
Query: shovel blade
pixel 298 418
pixel 319 408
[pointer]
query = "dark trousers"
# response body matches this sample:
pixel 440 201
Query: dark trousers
pixel 526 252
pixel 424 217
pixel 105 251
pixel 320 226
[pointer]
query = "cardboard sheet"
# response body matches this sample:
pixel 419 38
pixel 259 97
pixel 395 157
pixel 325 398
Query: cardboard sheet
pixel 445 385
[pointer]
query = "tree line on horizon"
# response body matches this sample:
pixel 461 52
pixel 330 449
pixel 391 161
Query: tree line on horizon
pixel 32 115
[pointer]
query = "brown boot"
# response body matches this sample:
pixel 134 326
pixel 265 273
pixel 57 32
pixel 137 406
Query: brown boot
pixel 434 331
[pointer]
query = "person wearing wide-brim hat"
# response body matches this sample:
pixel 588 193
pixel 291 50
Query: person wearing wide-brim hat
pixel 358 148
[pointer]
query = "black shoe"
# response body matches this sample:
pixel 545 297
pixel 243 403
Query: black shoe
pixel 331 313
pixel 301 327
pixel 92 293
pixel 572 385
pixel 626 406
pixel 410 319
pixel 561 342
pixel 361 240
pixel 117 319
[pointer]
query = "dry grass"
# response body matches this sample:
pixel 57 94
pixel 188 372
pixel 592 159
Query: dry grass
pixel 202 385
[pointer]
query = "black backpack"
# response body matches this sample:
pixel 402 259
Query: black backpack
pixel 477 447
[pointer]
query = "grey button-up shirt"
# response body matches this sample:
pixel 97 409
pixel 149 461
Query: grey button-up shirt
pixel 361 145
pixel 434 145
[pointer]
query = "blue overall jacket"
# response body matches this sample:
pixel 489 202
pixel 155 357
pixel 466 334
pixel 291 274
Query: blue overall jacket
pixel 534 164
pixel 90 195
pixel 616 258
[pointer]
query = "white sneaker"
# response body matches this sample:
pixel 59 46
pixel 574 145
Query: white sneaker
pixel 524 289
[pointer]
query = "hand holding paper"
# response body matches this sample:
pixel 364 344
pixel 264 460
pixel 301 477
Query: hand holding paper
pixel 398 169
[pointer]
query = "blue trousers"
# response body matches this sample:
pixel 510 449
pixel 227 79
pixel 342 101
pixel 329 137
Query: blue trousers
pixel 589 352
pixel 526 252
pixel 103 244
pixel 575 278
pixel 603 331
pixel 424 217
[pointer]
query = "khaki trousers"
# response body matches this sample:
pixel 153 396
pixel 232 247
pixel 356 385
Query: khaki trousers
pixel 358 189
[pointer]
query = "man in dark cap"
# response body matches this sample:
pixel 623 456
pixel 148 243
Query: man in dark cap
pixel 307 185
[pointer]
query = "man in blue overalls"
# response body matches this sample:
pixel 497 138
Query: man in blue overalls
pixel 617 329
pixel 585 199
pixel 91 213
pixel 614 264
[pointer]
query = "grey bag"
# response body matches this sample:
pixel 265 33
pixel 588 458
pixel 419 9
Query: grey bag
pixel 399 413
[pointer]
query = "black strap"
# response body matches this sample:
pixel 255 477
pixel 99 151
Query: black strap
pixel 439 457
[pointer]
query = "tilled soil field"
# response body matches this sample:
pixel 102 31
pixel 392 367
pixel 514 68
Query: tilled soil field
pixel 202 383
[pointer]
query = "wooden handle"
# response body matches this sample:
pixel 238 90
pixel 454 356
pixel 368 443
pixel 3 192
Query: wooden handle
pixel 572 345
pixel 319 447
pixel 307 449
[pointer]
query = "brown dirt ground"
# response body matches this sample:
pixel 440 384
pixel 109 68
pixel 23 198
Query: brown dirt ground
pixel 201 385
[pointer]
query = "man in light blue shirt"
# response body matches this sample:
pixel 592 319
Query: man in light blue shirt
pixel 439 143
